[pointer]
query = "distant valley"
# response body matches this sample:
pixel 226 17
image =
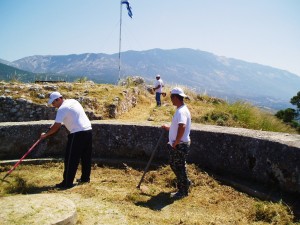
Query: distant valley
pixel 204 72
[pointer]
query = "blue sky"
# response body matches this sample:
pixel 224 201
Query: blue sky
pixel 261 31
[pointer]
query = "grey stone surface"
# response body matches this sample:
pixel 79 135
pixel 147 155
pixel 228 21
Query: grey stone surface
pixel 23 110
pixel 37 209
pixel 267 157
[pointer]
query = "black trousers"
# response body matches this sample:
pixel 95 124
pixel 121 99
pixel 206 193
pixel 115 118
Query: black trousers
pixel 79 147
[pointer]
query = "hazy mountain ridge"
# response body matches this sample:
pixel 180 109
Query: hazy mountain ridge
pixel 203 71
pixel 221 76
pixel 5 62
pixel 8 72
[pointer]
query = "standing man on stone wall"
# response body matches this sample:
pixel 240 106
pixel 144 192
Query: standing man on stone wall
pixel 79 145
pixel 158 88
pixel 179 142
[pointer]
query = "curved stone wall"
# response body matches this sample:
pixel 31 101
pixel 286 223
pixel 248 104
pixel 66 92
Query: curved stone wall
pixel 265 157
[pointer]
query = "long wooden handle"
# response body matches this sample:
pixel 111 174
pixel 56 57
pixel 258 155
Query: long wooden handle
pixel 17 163
pixel 151 158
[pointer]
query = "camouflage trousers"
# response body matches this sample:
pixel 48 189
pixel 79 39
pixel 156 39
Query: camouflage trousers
pixel 178 165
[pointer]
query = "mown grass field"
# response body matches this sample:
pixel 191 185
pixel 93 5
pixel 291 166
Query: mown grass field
pixel 112 197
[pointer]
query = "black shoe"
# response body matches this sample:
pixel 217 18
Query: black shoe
pixel 178 195
pixel 63 185
pixel 80 181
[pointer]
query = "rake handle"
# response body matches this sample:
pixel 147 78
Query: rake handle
pixel 151 158
pixel 17 163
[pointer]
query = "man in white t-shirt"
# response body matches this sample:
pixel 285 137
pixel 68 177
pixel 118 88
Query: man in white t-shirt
pixel 79 145
pixel 158 88
pixel 179 142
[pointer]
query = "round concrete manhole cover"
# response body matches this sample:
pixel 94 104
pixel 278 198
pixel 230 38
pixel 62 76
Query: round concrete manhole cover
pixel 37 209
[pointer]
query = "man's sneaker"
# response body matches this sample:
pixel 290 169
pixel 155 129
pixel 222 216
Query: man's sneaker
pixel 178 195
pixel 80 181
pixel 63 185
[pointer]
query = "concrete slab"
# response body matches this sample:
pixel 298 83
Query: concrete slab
pixel 37 209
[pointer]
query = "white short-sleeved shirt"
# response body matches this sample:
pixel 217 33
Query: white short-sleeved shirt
pixel 159 82
pixel 183 116
pixel 72 115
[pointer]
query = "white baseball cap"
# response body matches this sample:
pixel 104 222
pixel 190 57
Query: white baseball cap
pixel 157 75
pixel 178 91
pixel 53 96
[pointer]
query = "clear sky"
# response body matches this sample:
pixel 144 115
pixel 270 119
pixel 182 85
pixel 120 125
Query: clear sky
pixel 261 31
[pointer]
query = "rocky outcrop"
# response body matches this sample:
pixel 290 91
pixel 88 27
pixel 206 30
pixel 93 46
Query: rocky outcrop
pixel 16 104
pixel 119 106
pixel 23 110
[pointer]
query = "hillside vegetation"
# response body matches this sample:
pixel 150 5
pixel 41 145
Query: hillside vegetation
pixel 204 109
pixel 11 73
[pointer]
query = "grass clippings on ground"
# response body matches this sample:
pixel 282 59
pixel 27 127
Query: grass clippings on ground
pixel 112 197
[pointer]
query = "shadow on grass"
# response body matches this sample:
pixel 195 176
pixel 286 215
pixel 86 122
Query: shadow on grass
pixel 157 202
pixel 28 190
pixel 38 190
pixel 18 185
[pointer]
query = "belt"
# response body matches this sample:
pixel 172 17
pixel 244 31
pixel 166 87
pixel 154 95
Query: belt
pixel 186 143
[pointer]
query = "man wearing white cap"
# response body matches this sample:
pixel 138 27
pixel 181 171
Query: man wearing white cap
pixel 158 88
pixel 79 145
pixel 179 142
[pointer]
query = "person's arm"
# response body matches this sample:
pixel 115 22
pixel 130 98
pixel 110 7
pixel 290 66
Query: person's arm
pixel 180 132
pixel 53 129
pixel 156 87
pixel 166 127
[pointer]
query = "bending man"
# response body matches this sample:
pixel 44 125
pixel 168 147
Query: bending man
pixel 79 145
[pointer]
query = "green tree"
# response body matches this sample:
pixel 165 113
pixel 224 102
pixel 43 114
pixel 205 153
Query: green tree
pixel 296 101
pixel 287 115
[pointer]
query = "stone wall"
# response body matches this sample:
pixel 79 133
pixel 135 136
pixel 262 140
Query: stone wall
pixel 23 110
pixel 265 157
pixel 14 110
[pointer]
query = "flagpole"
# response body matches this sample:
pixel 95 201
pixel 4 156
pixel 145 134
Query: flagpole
pixel 120 41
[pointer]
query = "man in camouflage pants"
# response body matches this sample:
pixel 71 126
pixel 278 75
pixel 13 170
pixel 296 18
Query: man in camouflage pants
pixel 179 142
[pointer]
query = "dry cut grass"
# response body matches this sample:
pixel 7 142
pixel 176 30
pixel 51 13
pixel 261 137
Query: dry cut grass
pixel 112 197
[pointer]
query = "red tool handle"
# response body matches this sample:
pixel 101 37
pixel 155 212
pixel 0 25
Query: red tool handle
pixel 17 163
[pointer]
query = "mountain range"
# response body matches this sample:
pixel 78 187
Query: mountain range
pixel 204 72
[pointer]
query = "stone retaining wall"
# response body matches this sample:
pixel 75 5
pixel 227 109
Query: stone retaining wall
pixel 265 157
pixel 23 110
pixel 14 110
